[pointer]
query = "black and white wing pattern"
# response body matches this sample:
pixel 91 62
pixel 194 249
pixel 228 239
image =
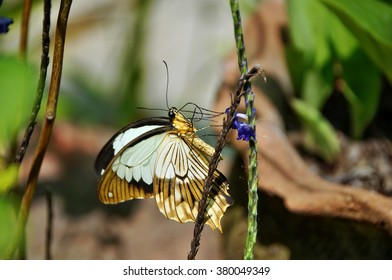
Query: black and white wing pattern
pixel 162 158
pixel 126 163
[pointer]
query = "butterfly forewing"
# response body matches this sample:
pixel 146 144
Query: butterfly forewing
pixel 134 132
pixel 129 171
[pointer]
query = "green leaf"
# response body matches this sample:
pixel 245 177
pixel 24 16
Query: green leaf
pixel 8 177
pixel 316 88
pixel 370 22
pixel 342 40
pixel 320 135
pixel 17 88
pixel 309 25
pixel 7 222
pixel 309 58
pixel 296 66
pixel 362 89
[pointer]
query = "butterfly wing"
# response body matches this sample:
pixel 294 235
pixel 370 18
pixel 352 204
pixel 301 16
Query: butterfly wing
pixel 138 130
pixel 156 158
pixel 180 171
pixel 126 163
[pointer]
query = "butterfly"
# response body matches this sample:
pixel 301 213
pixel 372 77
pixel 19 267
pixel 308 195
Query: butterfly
pixel 162 158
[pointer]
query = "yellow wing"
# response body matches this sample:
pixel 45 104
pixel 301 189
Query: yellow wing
pixel 180 172
pixel 112 189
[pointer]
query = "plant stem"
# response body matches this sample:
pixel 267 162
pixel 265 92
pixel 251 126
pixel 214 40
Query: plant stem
pixel 49 226
pixel 252 150
pixel 200 219
pixel 24 32
pixel 46 131
pixel 41 82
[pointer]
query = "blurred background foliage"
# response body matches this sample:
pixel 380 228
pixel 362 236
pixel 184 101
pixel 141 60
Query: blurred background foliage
pixel 113 64
pixel 338 46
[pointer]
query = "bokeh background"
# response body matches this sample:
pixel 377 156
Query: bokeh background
pixel 113 64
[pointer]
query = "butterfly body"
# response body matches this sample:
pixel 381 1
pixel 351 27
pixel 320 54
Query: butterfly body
pixel 162 158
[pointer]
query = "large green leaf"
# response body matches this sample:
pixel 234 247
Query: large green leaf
pixel 320 135
pixel 371 23
pixel 296 65
pixel 310 55
pixel 317 85
pixel 342 40
pixel 362 89
pixel 308 29
pixel 17 90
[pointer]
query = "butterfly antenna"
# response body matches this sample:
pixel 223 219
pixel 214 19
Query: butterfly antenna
pixel 150 109
pixel 203 112
pixel 200 112
pixel 167 84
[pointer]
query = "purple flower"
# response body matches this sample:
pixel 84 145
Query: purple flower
pixel 245 130
pixel 4 23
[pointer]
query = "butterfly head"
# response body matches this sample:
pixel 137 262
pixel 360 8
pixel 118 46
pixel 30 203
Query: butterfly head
pixel 173 111
pixel 181 123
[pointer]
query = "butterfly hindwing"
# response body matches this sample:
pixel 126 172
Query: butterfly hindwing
pixel 113 189
pixel 180 173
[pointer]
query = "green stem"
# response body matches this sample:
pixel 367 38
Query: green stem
pixel 201 218
pixel 252 151
pixel 41 82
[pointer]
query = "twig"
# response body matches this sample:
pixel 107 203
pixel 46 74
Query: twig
pixel 24 32
pixel 49 225
pixel 252 151
pixel 200 219
pixel 40 87
pixel 41 82
pixel 46 131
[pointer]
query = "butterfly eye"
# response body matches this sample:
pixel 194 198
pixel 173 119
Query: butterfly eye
pixel 172 113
